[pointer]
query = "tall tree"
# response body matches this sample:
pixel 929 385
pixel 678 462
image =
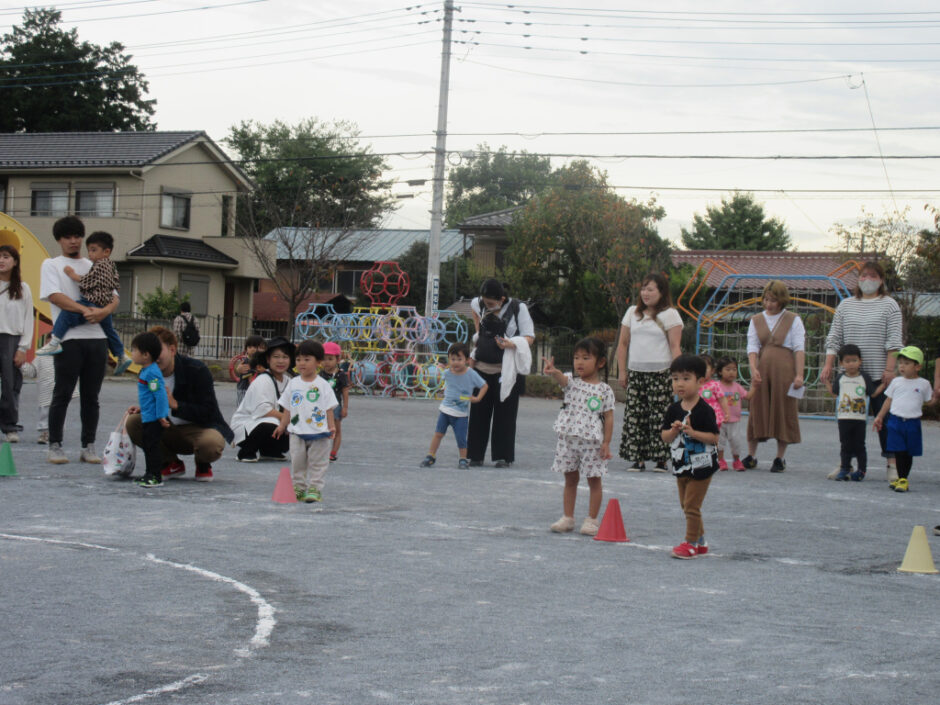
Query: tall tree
pixel 580 249
pixel 315 185
pixel 492 181
pixel 738 224
pixel 52 82
pixel 415 262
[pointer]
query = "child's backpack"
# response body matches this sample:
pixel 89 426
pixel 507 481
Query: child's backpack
pixel 190 334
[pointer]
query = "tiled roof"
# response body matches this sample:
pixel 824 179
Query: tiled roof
pixel 269 306
pixel 61 150
pixel 495 220
pixel 183 248
pixel 784 264
pixel 370 245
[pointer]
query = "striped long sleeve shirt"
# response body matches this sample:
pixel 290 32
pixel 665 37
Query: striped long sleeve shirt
pixel 874 325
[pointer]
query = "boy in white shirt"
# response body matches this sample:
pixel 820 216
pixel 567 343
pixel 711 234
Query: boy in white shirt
pixel 906 396
pixel 307 405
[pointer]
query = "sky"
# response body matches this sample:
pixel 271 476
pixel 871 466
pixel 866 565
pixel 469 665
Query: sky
pixel 638 88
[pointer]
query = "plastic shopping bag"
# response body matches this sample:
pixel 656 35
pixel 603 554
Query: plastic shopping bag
pixel 120 454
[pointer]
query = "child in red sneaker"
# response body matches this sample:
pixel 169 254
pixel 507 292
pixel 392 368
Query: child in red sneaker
pixel 714 396
pixel 731 431
pixel 689 427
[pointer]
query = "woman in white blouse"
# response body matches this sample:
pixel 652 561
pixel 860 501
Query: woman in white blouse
pixel 16 336
pixel 258 414
pixel 651 332
pixel 776 343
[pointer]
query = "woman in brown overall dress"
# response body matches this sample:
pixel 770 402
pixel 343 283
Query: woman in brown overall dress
pixel 776 351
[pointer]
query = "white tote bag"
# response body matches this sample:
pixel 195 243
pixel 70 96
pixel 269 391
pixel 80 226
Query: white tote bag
pixel 120 454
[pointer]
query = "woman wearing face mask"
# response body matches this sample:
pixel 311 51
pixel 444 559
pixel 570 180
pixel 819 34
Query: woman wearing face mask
pixel 16 335
pixel 257 416
pixel 504 332
pixel 776 350
pixel 650 332
pixel 871 320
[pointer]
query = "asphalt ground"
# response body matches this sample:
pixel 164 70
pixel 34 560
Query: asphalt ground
pixel 409 585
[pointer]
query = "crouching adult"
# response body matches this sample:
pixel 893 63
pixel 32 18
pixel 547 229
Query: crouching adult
pixel 197 427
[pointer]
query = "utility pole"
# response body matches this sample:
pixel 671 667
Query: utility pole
pixel 431 299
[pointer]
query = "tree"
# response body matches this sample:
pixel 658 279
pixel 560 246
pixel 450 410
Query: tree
pixel 160 303
pixel 738 224
pixel 492 181
pixel 580 249
pixel 415 262
pixel 53 83
pixel 315 185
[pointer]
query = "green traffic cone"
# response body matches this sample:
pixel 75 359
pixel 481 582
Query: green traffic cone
pixel 7 467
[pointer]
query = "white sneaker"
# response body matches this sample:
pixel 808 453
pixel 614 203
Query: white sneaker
pixel 88 455
pixel 892 472
pixel 56 455
pixel 563 525
pixel 590 527
pixel 53 347
pixel 834 474
pixel 43 437
pixel 13 437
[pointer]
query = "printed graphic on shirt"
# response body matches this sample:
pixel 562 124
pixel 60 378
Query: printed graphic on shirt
pixel 582 414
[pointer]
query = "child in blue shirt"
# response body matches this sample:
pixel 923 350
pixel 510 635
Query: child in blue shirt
pixel 459 382
pixel 154 405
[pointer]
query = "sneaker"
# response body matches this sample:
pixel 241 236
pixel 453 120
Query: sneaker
pixel 88 455
pixel 563 525
pixel 299 494
pixel 701 548
pixel 936 530
pixel 149 482
pixel 660 467
pixel 12 437
pixel 476 463
pixel 892 484
pixel 122 366
pixel 428 461
pixel 749 462
pixel 857 476
pixel 834 474
pixel 892 472
pixel 56 455
pixel 685 550
pixel 273 457
pixel 53 347
pixel 843 476
pixel 203 472
pixel 779 465
pixel 332 457
pixel 902 485
pixel 43 437
pixel 174 469
pixel 312 495
pixel 722 465
pixel 738 465
pixel 638 466
pixel 590 526
pixel 462 464
pixel 502 464
pixel 246 456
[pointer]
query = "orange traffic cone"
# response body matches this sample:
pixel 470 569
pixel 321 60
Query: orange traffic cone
pixel 612 524
pixel 284 489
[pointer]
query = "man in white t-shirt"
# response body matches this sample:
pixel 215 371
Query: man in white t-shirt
pixel 84 348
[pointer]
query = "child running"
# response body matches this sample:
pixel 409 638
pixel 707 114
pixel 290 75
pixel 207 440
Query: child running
pixel 584 426
pixel 339 382
pixel 97 289
pixel 307 403
pixel 689 426
pixel 243 366
pixel 906 396
pixel 852 388
pixel 154 405
pixel 460 381
pixel 731 431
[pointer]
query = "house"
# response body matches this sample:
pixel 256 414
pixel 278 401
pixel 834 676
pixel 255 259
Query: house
pixel 488 233
pixel 168 198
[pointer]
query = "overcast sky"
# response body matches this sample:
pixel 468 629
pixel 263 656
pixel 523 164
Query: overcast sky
pixel 551 67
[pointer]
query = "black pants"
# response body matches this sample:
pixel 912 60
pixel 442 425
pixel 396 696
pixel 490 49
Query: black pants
pixel 11 382
pixel 852 440
pixel 501 415
pixel 152 435
pixel 904 461
pixel 260 441
pixel 81 361
pixel 874 406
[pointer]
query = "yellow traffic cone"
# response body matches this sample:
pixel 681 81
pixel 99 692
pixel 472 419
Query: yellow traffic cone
pixel 7 467
pixel 917 558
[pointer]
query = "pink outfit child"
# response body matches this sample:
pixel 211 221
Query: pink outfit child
pixel 731 434
pixel 734 393
pixel 711 392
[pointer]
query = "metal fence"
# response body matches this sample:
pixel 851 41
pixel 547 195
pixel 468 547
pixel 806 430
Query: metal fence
pixel 220 337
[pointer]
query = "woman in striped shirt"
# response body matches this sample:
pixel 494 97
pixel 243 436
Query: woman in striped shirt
pixel 871 320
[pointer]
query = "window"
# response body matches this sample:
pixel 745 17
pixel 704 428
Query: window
pixel 49 199
pixel 94 200
pixel 174 210
pixel 347 282
pixel 127 293
pixel 197 286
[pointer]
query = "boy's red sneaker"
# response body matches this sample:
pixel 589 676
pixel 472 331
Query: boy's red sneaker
pixel 738 465
pixel 701 549
pixel 722 465
pixel 174 469
pixel 204 473
pixel 685 550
